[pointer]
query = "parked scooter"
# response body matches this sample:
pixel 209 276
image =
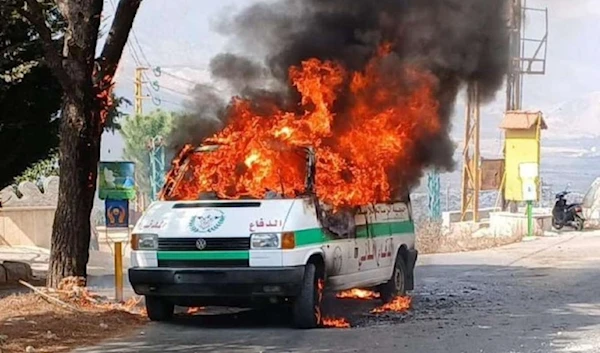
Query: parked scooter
pixel 564 214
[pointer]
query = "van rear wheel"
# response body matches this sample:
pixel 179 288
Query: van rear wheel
pixel 159 309
pixel 396 286
pixel 306 309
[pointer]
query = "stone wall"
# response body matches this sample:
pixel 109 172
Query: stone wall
pixel 27 215
pixel 26 226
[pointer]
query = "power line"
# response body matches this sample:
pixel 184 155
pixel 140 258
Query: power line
pixel 139 46
pixel 181 78
pixel 176 91
pixel 174 103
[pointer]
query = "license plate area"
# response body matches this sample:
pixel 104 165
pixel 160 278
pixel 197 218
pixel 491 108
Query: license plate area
pixel 200 277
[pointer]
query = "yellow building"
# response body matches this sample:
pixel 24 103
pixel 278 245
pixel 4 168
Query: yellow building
pixel 522 146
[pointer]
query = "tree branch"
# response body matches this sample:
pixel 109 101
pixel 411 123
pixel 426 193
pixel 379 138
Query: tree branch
pixel 35 16
pixel 117 37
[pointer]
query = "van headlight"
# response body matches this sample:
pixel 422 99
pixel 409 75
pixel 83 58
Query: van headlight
pixel 144 241
pixel 264 241
pixel 285 241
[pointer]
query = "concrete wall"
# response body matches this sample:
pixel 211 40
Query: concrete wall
pixel 451 217
pixel 507 224
pixel 26 226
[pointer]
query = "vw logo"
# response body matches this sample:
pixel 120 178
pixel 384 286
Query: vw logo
pixel 200 244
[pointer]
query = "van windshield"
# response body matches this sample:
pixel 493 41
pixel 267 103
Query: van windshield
pixel 218 172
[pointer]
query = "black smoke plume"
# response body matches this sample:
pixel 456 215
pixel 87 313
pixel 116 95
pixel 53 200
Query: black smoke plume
pixel 458 41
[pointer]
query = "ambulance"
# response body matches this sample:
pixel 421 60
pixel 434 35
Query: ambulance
pixel 275 252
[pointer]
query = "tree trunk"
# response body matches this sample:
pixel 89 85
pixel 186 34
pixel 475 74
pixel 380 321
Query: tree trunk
pixel 79 156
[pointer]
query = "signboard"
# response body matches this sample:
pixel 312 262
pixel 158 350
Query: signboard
pixel 116 180
pixel 492 171
pixel 117 213
pixel 528 172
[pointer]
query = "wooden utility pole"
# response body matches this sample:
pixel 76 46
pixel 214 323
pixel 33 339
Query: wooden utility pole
pixel 139 97
pixel 471 175
pixel 138 93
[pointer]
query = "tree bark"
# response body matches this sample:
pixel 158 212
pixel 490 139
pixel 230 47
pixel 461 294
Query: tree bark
pixel 79 146
pixel 79 155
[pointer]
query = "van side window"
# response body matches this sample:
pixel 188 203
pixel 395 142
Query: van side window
pixel 401 197
pixel 340 224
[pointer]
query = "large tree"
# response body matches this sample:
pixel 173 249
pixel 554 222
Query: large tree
pixel 86 80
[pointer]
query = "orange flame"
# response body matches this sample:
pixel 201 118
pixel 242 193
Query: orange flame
pixel 358 294
pixel 103 95
pixel 194 310
pixel 335 322
pixel 330 322
pixel 399 304
pixel 361 148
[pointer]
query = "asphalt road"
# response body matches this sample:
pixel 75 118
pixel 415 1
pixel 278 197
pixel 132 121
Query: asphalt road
pixel 536 296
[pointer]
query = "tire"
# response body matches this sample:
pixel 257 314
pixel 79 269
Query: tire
pixel 556 225
pixel 396 286
pixel 579 223
pixel 306 308
pixel 159 309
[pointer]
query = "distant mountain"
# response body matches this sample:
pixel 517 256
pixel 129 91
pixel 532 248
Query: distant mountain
pixel 577 118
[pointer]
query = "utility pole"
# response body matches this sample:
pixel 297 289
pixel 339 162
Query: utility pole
pixel 156 148
pixel 433 200
pixel 527 57
pixel 471 175
pixel 138 92
pixel 138 109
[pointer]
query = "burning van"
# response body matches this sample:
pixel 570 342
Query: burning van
pixel 282 246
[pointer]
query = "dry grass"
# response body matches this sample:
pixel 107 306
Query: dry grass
pixel 26 320
pixel 433 239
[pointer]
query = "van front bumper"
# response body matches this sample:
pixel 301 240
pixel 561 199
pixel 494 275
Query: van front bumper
pixel 217 282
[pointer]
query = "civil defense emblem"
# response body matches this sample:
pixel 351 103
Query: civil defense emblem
pixel 208 222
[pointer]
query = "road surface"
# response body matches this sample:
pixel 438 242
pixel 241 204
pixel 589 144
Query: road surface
pixel 536 296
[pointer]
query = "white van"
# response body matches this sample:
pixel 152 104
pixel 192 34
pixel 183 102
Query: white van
pixel 276 251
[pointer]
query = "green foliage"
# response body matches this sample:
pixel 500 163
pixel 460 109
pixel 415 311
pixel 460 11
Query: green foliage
pixel 39 170
pixel 30 96
pixel 138 131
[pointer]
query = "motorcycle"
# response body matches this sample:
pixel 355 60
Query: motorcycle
pixel 564 214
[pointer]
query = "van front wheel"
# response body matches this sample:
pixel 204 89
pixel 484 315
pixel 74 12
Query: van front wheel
pixel 159 309
pixel 306 309
pixel 396 286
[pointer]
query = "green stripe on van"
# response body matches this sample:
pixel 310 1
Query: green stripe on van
pixel 317 236
pixel 203 255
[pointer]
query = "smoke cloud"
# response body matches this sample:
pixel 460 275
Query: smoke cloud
pixel 458 41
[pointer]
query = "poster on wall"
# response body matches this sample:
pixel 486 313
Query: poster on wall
pixel 116 180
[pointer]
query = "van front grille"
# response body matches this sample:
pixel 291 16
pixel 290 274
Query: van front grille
pixel 212 244
pixel 203 263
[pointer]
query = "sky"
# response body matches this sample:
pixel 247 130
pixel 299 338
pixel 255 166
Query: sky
pixel 178 36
